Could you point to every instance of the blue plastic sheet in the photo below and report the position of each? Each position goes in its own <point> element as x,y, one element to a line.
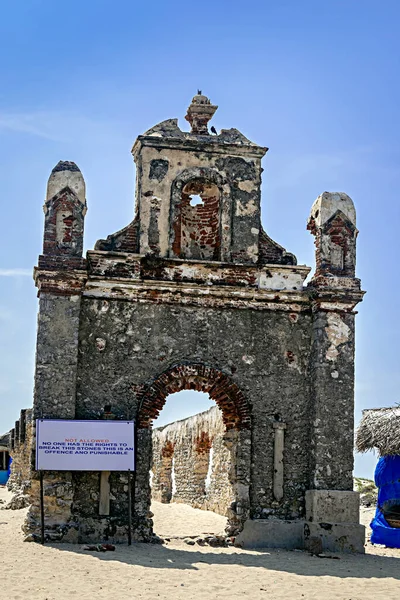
<point>387,479</point>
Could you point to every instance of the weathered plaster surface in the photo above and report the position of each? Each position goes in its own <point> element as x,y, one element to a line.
<point>338,333</point>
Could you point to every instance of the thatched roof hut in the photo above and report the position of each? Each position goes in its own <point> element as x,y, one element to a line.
<point>5,439</point>
<point>379,428</point>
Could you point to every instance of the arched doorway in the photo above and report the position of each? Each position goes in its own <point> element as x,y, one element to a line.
<point>236,418</point>
<point>190,485</point>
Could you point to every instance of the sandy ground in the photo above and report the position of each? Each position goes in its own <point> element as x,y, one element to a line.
<point>178,571</point>
<point>181,520</point>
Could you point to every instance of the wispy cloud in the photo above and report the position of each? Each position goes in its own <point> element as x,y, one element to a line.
<point>52,125</point>
<point>15,272</point>
<point>40,123</point>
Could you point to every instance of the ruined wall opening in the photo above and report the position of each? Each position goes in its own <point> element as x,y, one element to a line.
<point>201,461</point>
<point>197,224</point>
<point>196,200</point>
<point>190,467</point>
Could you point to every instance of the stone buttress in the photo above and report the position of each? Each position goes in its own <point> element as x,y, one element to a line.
<point>194,294</point>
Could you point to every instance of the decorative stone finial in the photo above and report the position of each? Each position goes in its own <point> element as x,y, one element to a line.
<point>333,223</point>
<point>199,113</point>
<point>64,210</point>
<point>66,174</point>
<point>328,203</point>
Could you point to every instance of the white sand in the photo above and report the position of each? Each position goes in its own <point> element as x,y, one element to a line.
<point>177,571</point>
<point>180,520</point>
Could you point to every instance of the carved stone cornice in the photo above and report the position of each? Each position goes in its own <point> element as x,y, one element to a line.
<point>58,282</point>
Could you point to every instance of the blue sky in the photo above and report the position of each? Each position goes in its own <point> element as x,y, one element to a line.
<point>316,82</point>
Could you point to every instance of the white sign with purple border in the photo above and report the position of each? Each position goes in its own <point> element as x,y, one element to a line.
<point>69,445</point>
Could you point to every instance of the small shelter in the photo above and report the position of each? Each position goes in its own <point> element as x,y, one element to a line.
<point>380,429</point>
<point>4,458</point>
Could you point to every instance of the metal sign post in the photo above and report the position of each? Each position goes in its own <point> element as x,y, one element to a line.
<point>41,509</point>
<point>129,509</point>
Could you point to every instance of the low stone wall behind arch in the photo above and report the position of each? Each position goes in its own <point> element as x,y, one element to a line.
<point>191,463</point>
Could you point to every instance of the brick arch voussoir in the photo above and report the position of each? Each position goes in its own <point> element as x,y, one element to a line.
<point>202,378</point>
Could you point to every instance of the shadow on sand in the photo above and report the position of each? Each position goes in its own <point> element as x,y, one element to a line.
<point>301,563</point>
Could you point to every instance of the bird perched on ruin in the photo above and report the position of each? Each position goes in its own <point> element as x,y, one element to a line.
<point>213,130</point>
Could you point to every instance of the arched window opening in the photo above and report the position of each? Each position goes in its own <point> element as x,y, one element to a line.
<point>198,224</point>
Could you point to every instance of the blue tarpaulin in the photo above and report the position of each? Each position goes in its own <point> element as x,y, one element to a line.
<point>387,479</point>
<point>4,475</point>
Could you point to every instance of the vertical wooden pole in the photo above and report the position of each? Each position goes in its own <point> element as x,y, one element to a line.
<point>104,502</point>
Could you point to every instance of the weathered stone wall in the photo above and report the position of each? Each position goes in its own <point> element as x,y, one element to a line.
<point>265,353</point>
<point>192,454</point>
<point>197,297</point>
<point>20,479</point>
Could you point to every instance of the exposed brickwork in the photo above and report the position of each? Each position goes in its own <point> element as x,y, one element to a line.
<point>203,443</point>
<point>197,228</point>
<point>333,225</point>
<point>125,240</point>
<point>64,225</point>
<point>340,261</point>
<point>220,387</point>
<point>167,450</point>
<point>272,253</point>
<point>61,263</point>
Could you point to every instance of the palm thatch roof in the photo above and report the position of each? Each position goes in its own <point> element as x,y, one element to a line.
<point>5,439</point>
<point>379,428</point>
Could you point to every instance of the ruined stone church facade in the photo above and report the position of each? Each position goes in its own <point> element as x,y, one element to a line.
<point>194,294</point>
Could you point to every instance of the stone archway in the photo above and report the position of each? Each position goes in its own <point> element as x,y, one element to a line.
<point>236,416</point>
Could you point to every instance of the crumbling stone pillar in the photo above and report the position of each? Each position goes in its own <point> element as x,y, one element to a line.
<point>162,474</point>
<point>59,279</point>
<point>335,292</point>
